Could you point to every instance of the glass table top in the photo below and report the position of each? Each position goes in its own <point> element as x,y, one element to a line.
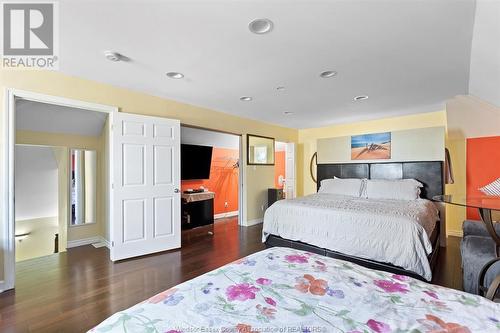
<point>483,202</point>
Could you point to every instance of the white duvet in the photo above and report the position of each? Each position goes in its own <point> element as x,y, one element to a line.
<point>391,231</point>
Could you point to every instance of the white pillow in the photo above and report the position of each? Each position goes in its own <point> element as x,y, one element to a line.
<point>398,189</point>
<point>349,186</point>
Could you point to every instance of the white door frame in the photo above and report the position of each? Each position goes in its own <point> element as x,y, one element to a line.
<point>8,175</point>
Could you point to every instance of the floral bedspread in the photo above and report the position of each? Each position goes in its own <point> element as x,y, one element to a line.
<point>285,290</point>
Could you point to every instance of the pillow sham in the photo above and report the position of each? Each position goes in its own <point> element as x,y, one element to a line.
<point>397,189</point>
<point>349,186</point>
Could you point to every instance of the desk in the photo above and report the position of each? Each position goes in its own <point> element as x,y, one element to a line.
<point>197,209</point>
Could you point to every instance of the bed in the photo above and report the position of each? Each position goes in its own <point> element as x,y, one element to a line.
<point>287,290</point>
<point>396,236</point>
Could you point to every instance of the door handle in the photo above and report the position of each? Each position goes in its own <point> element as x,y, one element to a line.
<point>176,190</point>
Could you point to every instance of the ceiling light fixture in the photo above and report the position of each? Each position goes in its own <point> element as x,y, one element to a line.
<point>288,113</point>
<point>360,98</point>
<point>327,74</point>
<point>280,88</point>
<point>175,75</point>
<point>246,98</point>
<point>113,56</point>
<point>260,26</point>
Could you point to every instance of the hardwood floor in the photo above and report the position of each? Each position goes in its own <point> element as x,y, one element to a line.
<point>75,290</point>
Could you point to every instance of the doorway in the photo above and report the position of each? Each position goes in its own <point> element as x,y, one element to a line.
<point>41,133</point>
<point>217,178</point>
<point>285,168</point>
<point>37,226</point>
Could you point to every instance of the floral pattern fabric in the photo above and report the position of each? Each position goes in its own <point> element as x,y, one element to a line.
<point>286,290</point>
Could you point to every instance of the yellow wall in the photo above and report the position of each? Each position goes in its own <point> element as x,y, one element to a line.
<point>308,137</point>
<point>40,241</point>
<point>72,141</point>
<point>57,84</point>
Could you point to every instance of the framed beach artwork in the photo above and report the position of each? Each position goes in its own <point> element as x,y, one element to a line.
<point>375,146</point>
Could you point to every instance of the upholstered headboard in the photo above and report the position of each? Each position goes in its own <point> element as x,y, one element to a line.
<point>430,174</point>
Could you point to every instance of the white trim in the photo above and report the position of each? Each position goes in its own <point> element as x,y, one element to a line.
<point>8,175</point>
<point>87,241</point>
<point>456,233</point>
<point>242,195</point>
<point>83,241</point>
<point>250,223</point>
<point>226,214</point>
<point>105,241</point>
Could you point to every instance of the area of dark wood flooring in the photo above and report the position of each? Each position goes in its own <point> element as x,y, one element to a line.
<point>75,290</point>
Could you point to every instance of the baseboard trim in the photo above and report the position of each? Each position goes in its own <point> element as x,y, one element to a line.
<point>455,233</point>
<point>226,214</point>
<point>105,241</point>
<point>87,241</point>
<point>250,223</point>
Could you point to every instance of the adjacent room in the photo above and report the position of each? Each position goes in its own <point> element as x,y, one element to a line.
<point>250,166</point>
<point>60,172</point>
<point>210,179</point>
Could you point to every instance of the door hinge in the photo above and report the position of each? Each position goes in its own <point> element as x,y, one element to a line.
<point>112,244</point>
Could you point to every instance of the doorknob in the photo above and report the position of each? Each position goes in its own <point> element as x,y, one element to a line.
<point>176,190</point>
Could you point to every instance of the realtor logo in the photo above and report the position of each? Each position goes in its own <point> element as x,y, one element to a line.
<point>29,35</point>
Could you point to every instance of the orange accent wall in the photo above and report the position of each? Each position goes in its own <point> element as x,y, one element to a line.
<point>279,167</point>
<point>223,180</point>
<point>483,155</point>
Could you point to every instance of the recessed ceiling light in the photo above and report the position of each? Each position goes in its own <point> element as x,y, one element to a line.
<point>113,56</point>
<point>260,26</point>
<point>288,113</point>
<point>246,98</point>
<point>175,75</point>
<point>280,88</point>
<point>360,98</point>
<point>327,74</point>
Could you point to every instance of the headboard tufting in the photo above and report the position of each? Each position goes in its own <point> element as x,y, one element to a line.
<point>430,174</point>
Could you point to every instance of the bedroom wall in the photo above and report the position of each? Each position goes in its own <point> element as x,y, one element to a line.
<point>308,138</point>
<point>482,168</point>
<point>258,179</point>
<point>421,144</point>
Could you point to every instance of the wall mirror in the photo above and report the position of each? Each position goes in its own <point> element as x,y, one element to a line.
<point>260,150</point>
<point>83,186</point>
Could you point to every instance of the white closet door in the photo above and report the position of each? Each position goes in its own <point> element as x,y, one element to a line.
<point>146,182</point>
<point>290,171</point>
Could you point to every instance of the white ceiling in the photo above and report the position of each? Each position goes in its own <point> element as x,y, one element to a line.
<point>42,117</point>
<point>409,56</point>
<point>485,54</point>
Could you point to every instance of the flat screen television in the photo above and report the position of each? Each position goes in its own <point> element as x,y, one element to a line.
<point>195,162</point>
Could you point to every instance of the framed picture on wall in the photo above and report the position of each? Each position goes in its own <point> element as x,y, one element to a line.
<point>375,146</point>
<point>260,150</point>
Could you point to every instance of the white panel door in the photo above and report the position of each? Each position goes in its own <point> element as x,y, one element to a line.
<point>146,182</point>
<point>290,170</point>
